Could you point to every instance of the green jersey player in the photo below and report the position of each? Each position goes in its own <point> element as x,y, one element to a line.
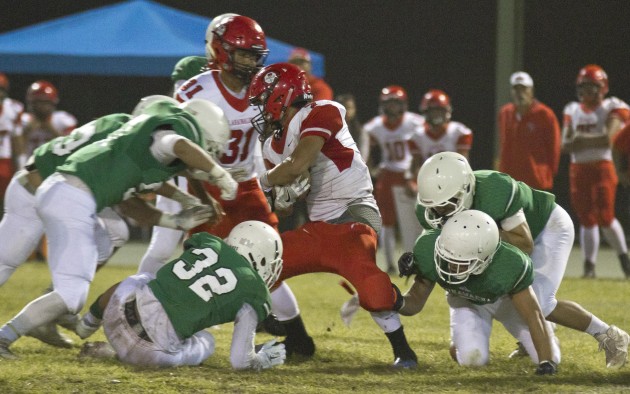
<point>141,155</point>
<point>484,279</point>
<point>218,282</point>
<point>528,219</point>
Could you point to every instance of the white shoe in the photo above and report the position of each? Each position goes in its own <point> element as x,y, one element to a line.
<point>615,343</point>
<point>49,334</point>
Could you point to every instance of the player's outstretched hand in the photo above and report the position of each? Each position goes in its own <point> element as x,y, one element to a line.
<point>270,355</point>
<point>406,266</point>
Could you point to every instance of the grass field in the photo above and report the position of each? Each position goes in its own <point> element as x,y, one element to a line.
<point>347,359</point>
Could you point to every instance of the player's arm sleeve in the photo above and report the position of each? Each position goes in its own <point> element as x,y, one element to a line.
<point>242,351</point>
<point>163,146</point>
<point>515,230</point>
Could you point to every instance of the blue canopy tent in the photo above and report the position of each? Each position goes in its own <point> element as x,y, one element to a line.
<point>134,38</point>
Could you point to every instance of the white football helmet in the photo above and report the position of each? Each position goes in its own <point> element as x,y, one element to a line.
<point>210,36</point>
<point>445,180</point>
<point>213,123</point>
<point>148,100</point>
<point>261,245</point>
<point>466,246</point>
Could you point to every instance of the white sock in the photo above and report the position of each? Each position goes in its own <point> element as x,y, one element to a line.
<point>283,303</point>
<point>597,326</point>
<point>589,240</point>
<point>388,321</point>
<point>615,237</point>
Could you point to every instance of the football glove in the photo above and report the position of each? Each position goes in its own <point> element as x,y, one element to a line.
<point>406,266</point>
<point>286,196</point>
<point>187,218</point>
<point>221,178</point>
<point>186,200</point>
<point>270,355</point>
<point>547,368</point>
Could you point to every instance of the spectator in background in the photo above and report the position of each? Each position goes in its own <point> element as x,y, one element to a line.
<point>394,132</point>
<point>42,122</point>
<point>320,89</point>
<point>10,111</point>
<point>588,128</point>
<point>529,136</point>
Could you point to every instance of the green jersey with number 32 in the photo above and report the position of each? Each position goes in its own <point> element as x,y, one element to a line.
<point>54,152</point>
<point>122,164</point>
<point>207,285</point>
<point>509,272</point>
<point>500,196</point>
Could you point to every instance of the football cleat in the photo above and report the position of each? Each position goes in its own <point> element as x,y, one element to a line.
<point>589,270</point>
<point>5,352</point>
<point>49,334</point>
<point>405,363</point>
<point>520,351</point>
<point>615,343</point>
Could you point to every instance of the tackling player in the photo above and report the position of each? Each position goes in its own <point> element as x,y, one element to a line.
<point>140,156</point>
<point>218,281</point>
<point>485,279</point>
<point>529,219</point>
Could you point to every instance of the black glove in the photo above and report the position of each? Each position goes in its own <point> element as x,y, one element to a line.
<point>547,368</point>
<point>406,266</point>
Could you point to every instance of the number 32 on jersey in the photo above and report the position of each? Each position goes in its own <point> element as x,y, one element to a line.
<point>223,281</point>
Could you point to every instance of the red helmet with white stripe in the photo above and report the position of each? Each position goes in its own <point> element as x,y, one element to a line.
<point>594,74</point>
<point>592,84</point>
<point>235,33</point>
<point>274,89</point>
<point>436,107</point>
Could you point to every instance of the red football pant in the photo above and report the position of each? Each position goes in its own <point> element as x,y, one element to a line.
<point>593,187</point>
<point>348,250</point>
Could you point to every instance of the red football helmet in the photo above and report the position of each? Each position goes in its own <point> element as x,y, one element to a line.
<point>436,99</point>
<point>393,101</point>
<point>594,74</point>
<point>43,91</point>
<point>4,82</point>
<point>238,33</point>
<point>393,92</point>
<point>274,89</point>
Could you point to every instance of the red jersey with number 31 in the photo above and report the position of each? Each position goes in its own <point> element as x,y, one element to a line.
<point>243,148</point>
